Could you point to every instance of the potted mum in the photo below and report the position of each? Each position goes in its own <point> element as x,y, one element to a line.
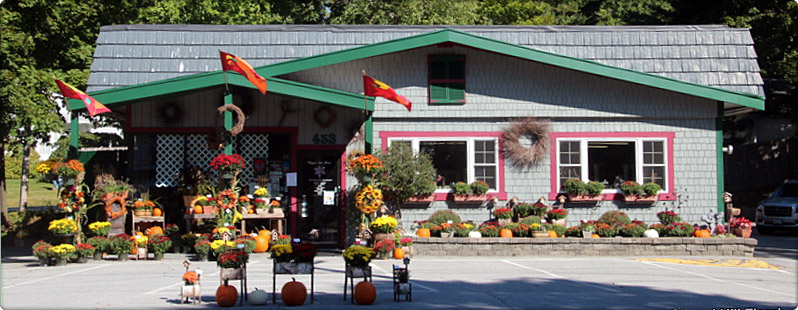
<point>121,244</point>
<point>231,263</point>
<point>68,170</point>
<point>384,248</point>
<point>83,251</point>
<point>101,245</point>
<point>503,215</point>
<point>62,253</point>
<point>41,250</point>
<point>100,228</point>
<point>358,256</point>
<point>557,216</point>
<point>203,248</point>
<point>740,227</point>
<point>383,227</point>
<point>159,244</point>
<point>228,166</point>
<point>364,168</point>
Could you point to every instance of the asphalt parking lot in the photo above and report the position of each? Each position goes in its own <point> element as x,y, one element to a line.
<point>438,282</point>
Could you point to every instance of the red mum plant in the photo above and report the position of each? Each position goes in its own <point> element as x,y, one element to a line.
<point>84,249</point>
<point>667,217</point>
<point>228,163</point>
<point>232,259</point>
<point>503,213</point>
<point>304,252</point>
<point>739,222</point>
<point>557,214</point>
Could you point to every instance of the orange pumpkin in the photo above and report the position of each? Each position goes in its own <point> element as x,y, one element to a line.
<point>294,293</point>
<point>365,293</point>
<point>157,212</point>
<point>155,230</point>
<point>251,211</point>
<point>398,253</point>
<point>552,234</point>
<point>197,209</point>
<point>703,233</point>
<point>595,236</point>
<point>226,295</point>
<point>423,233</point>
<point>506,233</point>
<point>261,244</point>
<point>265,232</point>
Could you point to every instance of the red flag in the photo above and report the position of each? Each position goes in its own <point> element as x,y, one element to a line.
<point>376,88</point>
<point>232,62</point>
<point>93,106</point>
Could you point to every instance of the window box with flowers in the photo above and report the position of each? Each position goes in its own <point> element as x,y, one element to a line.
<point>633,192</point>
<point>580,192</point>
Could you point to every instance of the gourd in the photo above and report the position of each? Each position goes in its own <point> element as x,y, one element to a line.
<point>226,295</point>
<point>423,232</point>
<point>552,234</point>
<point>157,212</point>
<point>506,233</point>
<point>197,209</point>
<point>293,293</point>
<point>365,293</point>
<point>398,253</point>
<point>261,244</point>
<point>258,297</point>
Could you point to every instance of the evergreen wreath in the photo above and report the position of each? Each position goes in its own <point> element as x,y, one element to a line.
<point>532,127</point>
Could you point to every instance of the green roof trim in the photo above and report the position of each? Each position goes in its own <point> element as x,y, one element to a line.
<point>501,47</point>
<point>173,87</point>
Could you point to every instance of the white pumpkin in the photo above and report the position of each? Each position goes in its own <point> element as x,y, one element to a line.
<point>258,297</point>
<point>651,233</point>
<point>474,234</point>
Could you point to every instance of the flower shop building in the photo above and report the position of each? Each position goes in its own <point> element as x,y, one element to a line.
<point>608,104</point>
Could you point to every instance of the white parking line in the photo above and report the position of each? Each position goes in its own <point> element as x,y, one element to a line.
<point>717,280</point>
<point>561,277</point>
<point>56,276</point>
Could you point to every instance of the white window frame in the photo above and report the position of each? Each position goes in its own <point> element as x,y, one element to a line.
<point>470,158</point>
<point>638,142</point>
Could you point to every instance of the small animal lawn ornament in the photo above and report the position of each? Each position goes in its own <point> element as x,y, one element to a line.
<point>190,290</point>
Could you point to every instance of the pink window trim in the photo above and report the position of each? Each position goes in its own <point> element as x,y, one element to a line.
<point>668,136</point>
<point>501,194</point>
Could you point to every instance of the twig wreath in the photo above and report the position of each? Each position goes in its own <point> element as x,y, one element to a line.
<point>535,129</point>
<point>240,117</point>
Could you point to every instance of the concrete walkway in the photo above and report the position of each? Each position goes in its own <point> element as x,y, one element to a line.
<point>438,282</point>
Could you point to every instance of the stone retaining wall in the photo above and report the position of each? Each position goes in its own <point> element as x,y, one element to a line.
<point>584,246</point>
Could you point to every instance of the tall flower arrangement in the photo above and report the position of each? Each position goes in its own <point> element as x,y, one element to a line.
<point>70,168</point>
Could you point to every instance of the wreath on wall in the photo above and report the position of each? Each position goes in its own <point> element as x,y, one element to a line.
<point>240,117</point>
<point>110,198</point>
<point>536,130</point>
<point>170,112</point>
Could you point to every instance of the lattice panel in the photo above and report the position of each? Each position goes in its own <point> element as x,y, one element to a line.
<point>198,154</point>
<point>252,146</point>
<point>169,160</point>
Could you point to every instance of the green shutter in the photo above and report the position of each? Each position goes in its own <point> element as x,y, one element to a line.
<point>447,79</point>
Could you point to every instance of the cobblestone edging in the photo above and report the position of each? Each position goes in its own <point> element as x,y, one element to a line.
<point>584,246</point>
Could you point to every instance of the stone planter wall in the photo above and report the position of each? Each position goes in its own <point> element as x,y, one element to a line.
<point>584,246</point>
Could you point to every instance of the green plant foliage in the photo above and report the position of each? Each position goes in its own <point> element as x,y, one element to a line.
<point>651,188</point>
<point>523,209</point>
<point>461,188</point>
<point>443,216</point>
<point>594,188</point>
<point>574,231</point>
<point>406,174</point>
<point>574,186</point>
<point>529,220</point>
<point>616,219</point>
<point>559,229</point>
<point>632,230</point>
<point>479,187</point>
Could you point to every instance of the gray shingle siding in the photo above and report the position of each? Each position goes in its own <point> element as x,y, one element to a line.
<point>671,51</point>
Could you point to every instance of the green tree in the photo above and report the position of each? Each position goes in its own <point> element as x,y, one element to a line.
<point>406,12</point>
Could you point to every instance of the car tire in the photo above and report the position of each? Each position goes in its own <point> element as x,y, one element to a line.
<point>764,230</point>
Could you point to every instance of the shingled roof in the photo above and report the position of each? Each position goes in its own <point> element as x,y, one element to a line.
<point>716,56</point>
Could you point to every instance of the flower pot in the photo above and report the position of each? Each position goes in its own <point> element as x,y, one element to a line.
<point>209,209</point>
<point>157,256</point>
<point>65,238</point>
<point>742,232</point>
<point>122,257</point>
<point>139,212</point>
<point>560,222</point>
<point>232,273</point>
<point>82,260</point>
<point>203,257</point>
<point>98,255</point>
<point>44,261</point>
<point>540,234</point>
<point>587,234</point>
<point>60,261</point>
<point>69,181</point>
<point>356,272</point>
<point>447,235</point>
<point>503,222</point>
<point>188,199</point>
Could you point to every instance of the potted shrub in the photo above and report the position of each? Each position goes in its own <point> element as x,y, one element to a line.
<point>649,193</point>
<point>461,189</point>
<point>574,187</point>
<point>631,190</point>
<point>523,210</point>
<point>479,188</point>
<point>594,188</point>
<point>193,183</point>
<point>605,230</point>
<point>578,191</point>
<point>407,176</point>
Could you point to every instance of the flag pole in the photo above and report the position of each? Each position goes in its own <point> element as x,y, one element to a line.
<point>365,98</point>
<point>224,74</point>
